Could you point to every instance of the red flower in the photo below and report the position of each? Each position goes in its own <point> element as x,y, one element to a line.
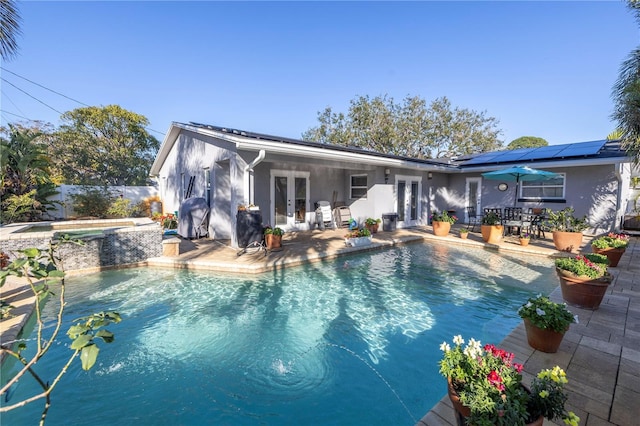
<point>495,379</point>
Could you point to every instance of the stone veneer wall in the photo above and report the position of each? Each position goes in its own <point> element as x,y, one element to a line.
<point>118,247</point>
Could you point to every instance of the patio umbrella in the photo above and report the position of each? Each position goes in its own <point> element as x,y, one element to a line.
<point>518,174</point>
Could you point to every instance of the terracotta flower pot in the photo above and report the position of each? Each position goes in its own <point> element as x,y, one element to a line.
<point>464,235</point>
<point>441,229</point>
<point>524,241</point>
<point>613,254</point>
<point>273,241</point>
<point>455,400</point>
<point>463,412</point>
<point>542,339</point>
<point>583,292</point>
<point>492,234</point>
<point>372,228</point>
<point>567,241</point>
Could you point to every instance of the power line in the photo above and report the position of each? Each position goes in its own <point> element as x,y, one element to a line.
<point>32,97</point>
<point>44,87</point>
<point>4,111</point>
<point>57,93</point>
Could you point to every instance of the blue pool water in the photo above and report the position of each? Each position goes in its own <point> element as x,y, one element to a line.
<point>353,341</point>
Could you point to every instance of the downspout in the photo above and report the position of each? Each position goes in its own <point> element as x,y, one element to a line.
<point>248,177</point>
<point>622,195</point>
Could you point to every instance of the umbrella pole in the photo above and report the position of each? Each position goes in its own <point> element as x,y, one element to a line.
<point>515,196</point>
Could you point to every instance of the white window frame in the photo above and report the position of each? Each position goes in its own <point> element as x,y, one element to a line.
<point>542,184</point>
<point>358,187</point>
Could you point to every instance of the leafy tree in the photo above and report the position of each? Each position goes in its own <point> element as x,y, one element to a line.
<point>104,146</point>
<point>408,129</point>
<point>26,181</point>
<point>626,94</point>
<point>9,28</point>
<point>39,268</point>
<point>527,142</point>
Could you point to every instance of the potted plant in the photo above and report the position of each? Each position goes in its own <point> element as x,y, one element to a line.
<point>464,233</point>
<point>612,245</point>
<point>358,237</point>
<point>441,223</point>
<point>372,224</point>
<point>485,387</point>
<point>491,228</point>
<point>583,279</point>
<point>169,223</point>
<point>545,323</point>
<point>567,229</point>
<point>524,238</point>
<point>273,237</point>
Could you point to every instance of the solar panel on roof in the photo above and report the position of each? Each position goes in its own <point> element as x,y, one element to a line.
<point>510,156</point>
<point>540,153</point>
<point>580,149</point>
<point>543,152</point>
<point>482,158</point>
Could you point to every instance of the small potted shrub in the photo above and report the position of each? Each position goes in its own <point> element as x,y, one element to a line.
<point>358,237</point>
<point>372,224</point>
<point>441,223</point>
<point>545,323</point>
<point>567,228</point>
<point>485,387</point>
<point>524,238</point>
<point>169,221</point>
<point>583,279</point>
<point>273,237</point>
<point>464,233</point>
<point>612,245</point>
<point>491,228</point>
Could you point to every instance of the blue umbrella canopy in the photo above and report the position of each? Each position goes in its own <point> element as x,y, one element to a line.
<point>519,173</point>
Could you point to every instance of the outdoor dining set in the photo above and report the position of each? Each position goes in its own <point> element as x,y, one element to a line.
<point>515,220</point>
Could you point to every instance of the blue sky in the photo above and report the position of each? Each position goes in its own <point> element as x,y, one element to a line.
<point>541,68</point>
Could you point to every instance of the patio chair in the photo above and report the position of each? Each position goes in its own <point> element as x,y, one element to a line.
<point>537,223</point>
<point>473,218</point>
<point>324,218</point>
<point>512,218</point>
<point>342,216</point>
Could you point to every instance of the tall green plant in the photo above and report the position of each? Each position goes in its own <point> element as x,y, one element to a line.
<point>40,269</point>
<point>565,220</point>
<point>26,180</point>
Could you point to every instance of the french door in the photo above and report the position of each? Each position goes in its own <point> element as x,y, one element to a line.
<point>408,190</point>
<point>289,199</point>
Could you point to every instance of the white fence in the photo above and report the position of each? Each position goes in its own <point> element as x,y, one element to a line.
<point>65,210</point>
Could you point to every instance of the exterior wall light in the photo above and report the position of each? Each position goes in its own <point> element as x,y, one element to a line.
<point>387,172</point>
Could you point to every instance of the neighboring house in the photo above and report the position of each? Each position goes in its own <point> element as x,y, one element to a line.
<point>286,177</point>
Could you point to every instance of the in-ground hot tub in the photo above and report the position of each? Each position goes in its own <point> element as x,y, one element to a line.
<point>109,242</point>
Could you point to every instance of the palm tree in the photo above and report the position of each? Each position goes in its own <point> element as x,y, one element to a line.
<point>9,28</point>
<point>626,94</point>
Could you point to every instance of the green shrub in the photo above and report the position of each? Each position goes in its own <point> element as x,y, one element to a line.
<point>92,201</point>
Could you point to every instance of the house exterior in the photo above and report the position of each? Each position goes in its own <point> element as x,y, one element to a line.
<point>285,177</point>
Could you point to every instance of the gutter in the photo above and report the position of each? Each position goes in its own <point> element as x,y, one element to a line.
<point>256,161</point>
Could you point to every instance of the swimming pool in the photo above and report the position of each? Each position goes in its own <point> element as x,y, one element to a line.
<point>353,341</point>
